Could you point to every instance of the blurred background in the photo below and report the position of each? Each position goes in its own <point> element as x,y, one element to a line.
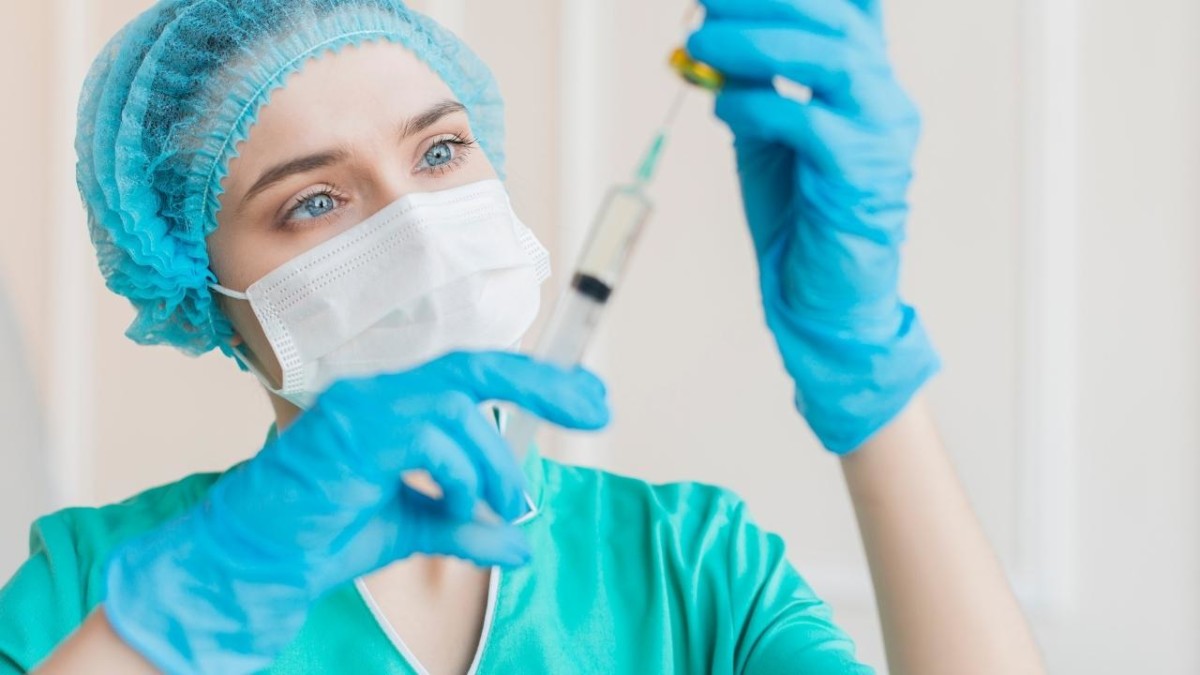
<point>1054,244</point>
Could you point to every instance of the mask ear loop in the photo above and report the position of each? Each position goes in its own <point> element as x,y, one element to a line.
<point>228,292</point>
<point>241,353</point>
<point>302,402</point>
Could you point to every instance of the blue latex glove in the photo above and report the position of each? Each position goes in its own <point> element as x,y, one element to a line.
<point>824,184</point>
<point>226,587</point>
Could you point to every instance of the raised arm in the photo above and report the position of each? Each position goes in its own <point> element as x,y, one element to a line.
<point>825,184</point>
<point>944,601</point>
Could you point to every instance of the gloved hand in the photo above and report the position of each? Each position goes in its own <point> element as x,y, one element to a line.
<point>226,587</point>
<point>824,184</point>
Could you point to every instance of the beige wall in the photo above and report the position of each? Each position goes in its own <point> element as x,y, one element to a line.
<point>696,383</point>
<point>26,177</point>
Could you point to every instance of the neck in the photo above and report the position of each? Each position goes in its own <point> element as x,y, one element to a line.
<point>285,413</point>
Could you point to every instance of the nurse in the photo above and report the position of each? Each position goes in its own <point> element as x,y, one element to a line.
<point>313,187</point>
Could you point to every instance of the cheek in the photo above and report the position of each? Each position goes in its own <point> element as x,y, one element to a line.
<point>240,256</point>
<point>244,322</point>
<point>482,169</point>
<point>225,248</point>
<point>246,326</point>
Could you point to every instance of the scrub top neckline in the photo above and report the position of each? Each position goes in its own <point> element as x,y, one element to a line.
<point>407,654</point>
<point>535,483</point>
<point>393,635</point>
<point>535,500</point>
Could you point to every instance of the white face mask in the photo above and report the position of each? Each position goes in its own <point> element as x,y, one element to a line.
<point>429,274</point>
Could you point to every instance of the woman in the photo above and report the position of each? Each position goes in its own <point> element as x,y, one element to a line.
<point>311,186</point>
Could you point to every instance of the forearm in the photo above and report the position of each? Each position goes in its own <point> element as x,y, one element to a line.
<point>95,648</point>
<point>944,601</point>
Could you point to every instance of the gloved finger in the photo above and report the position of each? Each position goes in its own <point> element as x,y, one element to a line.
<point>299,473</point>
<point>414,523</point>
<point>762,114</point>
<point>826,138</point>
<point>502,481</point>
<point>350,440</point>
<point>459,478</point>
<point>823,139</point>
<point>767,170</point>
<point>842,74</point>
<point>387,534</point>
<point>572,398</point>
<point>381,427</point>
<point>839,18</point>
<point>484,544</point>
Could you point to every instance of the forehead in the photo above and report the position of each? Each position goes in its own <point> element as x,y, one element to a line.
<point>339,97</point>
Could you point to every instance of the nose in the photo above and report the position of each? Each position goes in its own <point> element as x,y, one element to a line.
<point>389,182</point>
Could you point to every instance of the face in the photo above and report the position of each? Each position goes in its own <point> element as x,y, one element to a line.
<point>348,135</point>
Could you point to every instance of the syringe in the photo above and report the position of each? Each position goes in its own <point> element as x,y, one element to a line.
<point>600,270</point>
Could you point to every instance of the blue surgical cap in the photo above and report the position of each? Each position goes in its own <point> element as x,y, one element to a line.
<point>166,105</point>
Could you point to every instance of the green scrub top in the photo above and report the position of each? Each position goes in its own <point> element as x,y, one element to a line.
<point>627,577</point>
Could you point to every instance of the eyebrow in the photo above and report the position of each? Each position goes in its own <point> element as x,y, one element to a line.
<point>292,167</point>
<point>430,117</point>
<point>327,158</point>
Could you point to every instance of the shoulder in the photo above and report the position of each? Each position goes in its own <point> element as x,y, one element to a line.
<point>568,477</point>
<point>91,532</point>
<point>689,509</point>
<point>60,583</point>
<point>739,593</point>
<point>136,513</point>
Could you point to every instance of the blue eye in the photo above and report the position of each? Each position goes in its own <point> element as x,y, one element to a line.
<point>446,154</point>
<point>439,155</point>
<point>314,206</point>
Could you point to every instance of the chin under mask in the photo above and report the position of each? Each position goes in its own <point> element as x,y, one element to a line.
<point>430,274</point>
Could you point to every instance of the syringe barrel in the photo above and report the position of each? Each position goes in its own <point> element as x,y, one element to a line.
<point>614,234</point>
<point>601,266</point>
<point>563,342</point>
<point>570,327</point>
